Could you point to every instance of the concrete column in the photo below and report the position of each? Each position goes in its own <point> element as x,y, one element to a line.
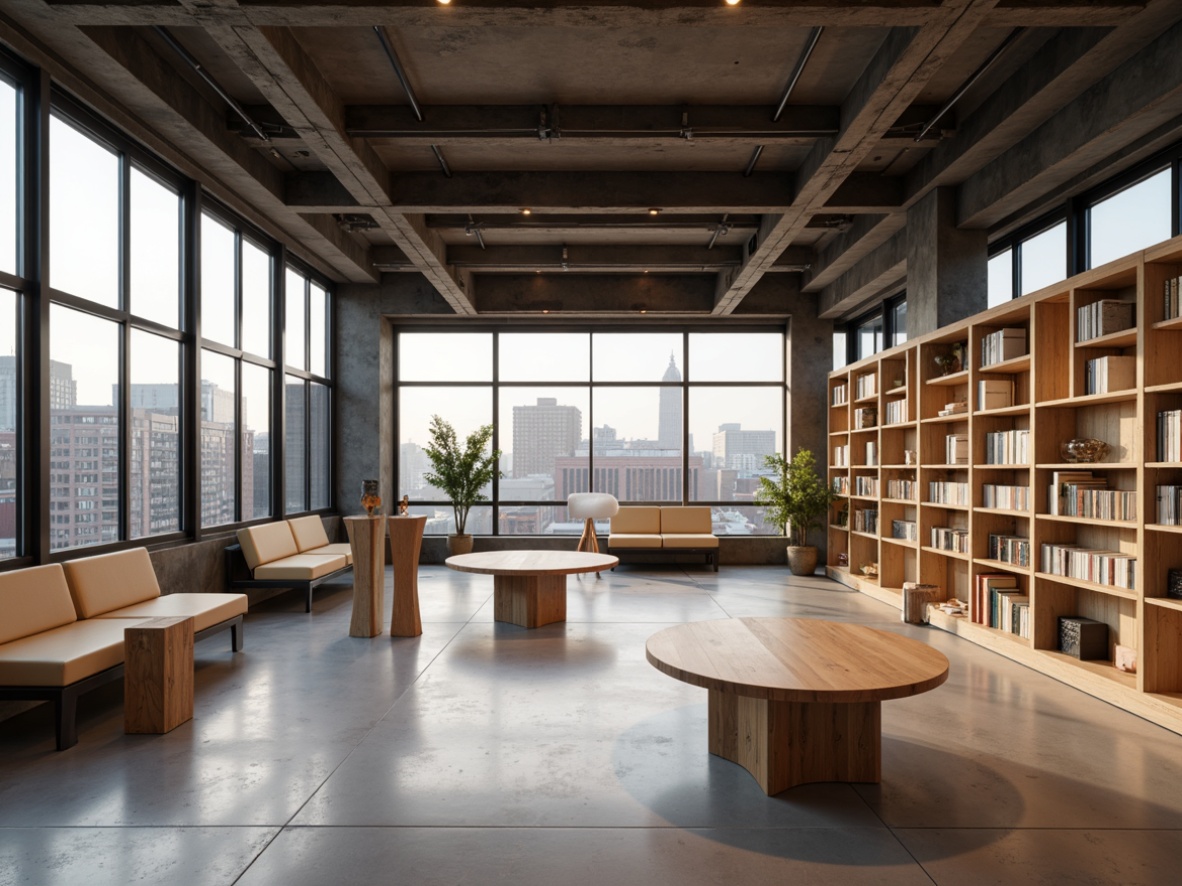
<point>810,358</point>
<point>947,276</point>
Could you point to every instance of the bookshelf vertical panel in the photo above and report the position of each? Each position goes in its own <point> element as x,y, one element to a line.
<point>1161,656</point>
<point>1052,349</point>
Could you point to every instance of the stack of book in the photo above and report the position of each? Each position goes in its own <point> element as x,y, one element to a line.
<point>1173,302</point>
<point>1103,317</point>
<point>865,417</point>
<point>999,603</point>
<point>866,385</point>
<point>1099,567</point>
<point>1009,549</point>
<point>1169,505</point>
<point>995,393</point>
<point>1008,447</point>
<point>1169,435</point>
<point>1079,494</point>
<point>956,449</point>
<point>841,394</point>
<point>866,486</point>
<point>1105,374</point>
<point>871,453</point>
<point>1009,498</point>
<point>896,412</point>
<point>841,456</point>
<point>957,408</point>
<point>1002,345</point>
<point>841,485</point>
<point>949,538</point>
<point>904,529</point>
<point>942,492</point>
<point>866,520</point>
<point>901,489</point>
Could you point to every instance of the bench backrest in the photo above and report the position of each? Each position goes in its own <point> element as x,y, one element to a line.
<point>111,581</point>
<point>637,521</point>
<point>695,519</point>
<point>308,532</point>
<point>265,543</point>
<point>34,600</point>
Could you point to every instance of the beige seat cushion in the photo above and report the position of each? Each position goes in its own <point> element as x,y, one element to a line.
<point>206,610</point>
<point>337,549</point>
<point>308,533</point>
<point>300,567</point>
<point>633,540</point>
<point>64,655</point>
<point>686,519</point>
<point>34,600</point>
<point>690,540</point>
<point>111,581</point>
<point>262,544</point>
<point>637,520</point>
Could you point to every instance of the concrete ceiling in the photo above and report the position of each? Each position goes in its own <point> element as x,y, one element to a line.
<point>591,114</point>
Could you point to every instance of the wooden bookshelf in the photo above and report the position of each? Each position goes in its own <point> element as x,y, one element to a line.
<point>1053,373</point>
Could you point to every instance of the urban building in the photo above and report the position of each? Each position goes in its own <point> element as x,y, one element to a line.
<point>543,432</point>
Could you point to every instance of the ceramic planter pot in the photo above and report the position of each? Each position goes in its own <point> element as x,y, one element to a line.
<point>459,544</point>
<point>802,559</point>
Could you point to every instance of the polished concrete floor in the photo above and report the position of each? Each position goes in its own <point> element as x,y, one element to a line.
<point>484,753</point>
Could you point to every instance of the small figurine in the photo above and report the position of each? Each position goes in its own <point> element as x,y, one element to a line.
<point>404,506</point>
<point>370,500</point>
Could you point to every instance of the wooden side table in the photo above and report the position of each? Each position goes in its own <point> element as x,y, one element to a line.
<point>406,541</point>
<point>158,674</point>
<point>366,537</point>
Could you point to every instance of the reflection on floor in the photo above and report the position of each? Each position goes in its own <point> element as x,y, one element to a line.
<point>485,753</point>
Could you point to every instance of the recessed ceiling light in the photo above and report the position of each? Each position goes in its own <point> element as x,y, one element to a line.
<point>654,212</point>
<point>525,211</point>
<point>446,2</point>
<point>732,2</point>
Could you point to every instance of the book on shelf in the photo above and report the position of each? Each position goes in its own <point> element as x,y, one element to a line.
<point>895,412</point>
<point>865,417</point>
<point>956,449</point>
<point>841,394</point>
<point>1002,345</point>
<point>1169,505</point>
<point>866,385</point>
<point>1103,317</point>
<point>984,587</point>
<point>904,529</point>
<point>944,492</point>
<point>1174,584</point>
<point>995,393</point>
<point>1013,549</point>
<point>866,486</point>
<point>1009,498</point>
<point>841,485</point>
<point>1169,435</point>
<point>1007,447</point>
<point>950,538</point>
<point>1105,374</point>
<point>1113,568</point>
<point>1059,490</point>
<point>901,489</point>
<point>1173,301</point>
<point>871,453</point>
<point>956,408</point>
<point>866,520</point>
<point>841,456</point>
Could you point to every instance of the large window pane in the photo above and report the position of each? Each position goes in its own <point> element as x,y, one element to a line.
<point>219,440</point>
<point>445,356</point>
<point>154,477</point>
<point>1044,258</point>
<point>869,337</point>
<point>256,300</point>
<point>545,356</point>
<point>1130,220</point>
<point>732,430</point>
<point>318,456</point>
<point>296,337</point>
<point>543,438</point>
<point>1001,278</point>
<point>218,272</point>
<point>318,329</point>
<point>898,323</point>
<point>256,441</point>
<point>9,412</point>
<point>9,134</point>
<point>84,429</point>
<point>466,409</point>
<point>155,250</point>
<point>639,356</point>
<point>735,356</point>
<point>296,445</point>
<point>83,215</point>
<point>637,443</point>
<point>839,349</point>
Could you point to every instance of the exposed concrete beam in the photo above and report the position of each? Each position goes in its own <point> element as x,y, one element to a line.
<point>578,257</point>
<point>318,192</point>
<point>850,246</point>
<point>567,192</point>
<point>891,82</point>
<point>540,222</point>
<point>1141,95</point>
<point>286,77</point>
<point>866,193</point>
<point>881,270</point>
<point>596,294</point>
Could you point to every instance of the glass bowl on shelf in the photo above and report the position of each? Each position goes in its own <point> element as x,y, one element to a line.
<point>1084,450</point>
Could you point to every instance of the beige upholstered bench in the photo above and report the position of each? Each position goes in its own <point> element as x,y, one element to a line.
<point>671,530</point>
<point>310,538</point>
<point>267,556</point>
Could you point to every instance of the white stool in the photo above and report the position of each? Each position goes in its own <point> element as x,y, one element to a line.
<point>588,506</point>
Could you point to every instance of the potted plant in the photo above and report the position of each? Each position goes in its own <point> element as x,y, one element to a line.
<point>796,499</point>
<point>461,473</point>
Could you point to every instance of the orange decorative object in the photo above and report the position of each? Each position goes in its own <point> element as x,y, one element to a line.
<point>370,500</point>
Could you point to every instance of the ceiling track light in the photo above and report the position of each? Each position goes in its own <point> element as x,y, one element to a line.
<point>973,78</point>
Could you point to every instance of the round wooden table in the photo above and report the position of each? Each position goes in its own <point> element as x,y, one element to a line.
<point>795,700</point>
<point>529,587</point>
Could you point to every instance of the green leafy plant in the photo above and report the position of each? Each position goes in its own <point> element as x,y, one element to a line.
<point>795,497</point>
<point>461,472</point>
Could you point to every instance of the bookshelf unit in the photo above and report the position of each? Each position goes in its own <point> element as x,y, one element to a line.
<point>970,456</point>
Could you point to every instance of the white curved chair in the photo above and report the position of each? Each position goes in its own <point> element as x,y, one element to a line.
<point>589,506</point>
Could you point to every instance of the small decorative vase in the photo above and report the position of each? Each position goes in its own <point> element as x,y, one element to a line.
<point>370,500</point>
<point>1084,450</point>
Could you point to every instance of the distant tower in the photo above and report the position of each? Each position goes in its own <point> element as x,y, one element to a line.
<point>669,432</point>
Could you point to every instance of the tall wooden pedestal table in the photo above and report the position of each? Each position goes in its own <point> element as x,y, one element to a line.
<point>797,700</point>
<point>158,674</point>
<point>367,539</point>
<point>406,541</point>
<point>529,587</point>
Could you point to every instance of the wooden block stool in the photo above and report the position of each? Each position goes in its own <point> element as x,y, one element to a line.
<point>588,506</point>
<point>158,675</point>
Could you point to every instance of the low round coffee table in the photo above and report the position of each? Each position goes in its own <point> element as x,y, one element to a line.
<point>529,587</point>
<point>797,700</point>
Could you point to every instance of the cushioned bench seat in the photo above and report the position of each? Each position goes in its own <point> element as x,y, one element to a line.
<point>671,529</point>
<point>268,555</point>
<point>310,538</point>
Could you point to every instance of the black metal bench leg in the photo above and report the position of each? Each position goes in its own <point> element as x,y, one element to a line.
<point>236,635</point>
<point>308,604</point>
<point>65,712</point>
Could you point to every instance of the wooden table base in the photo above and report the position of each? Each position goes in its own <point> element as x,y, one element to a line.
<point>367,538</point>
<point>406,541</point>
<point>529,601</point>
<point>158,675</point>
<point>784,744</point>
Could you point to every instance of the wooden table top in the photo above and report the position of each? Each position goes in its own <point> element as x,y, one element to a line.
<point>797,660</point>
<point>531,562</point>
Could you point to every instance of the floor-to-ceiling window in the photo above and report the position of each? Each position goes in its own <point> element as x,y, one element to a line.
<point>307,393</point>
<point>670,416</point>
<point>11,284</point>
